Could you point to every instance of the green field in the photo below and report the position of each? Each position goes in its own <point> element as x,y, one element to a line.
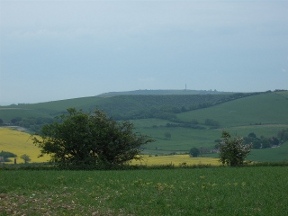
<point>265,114</point>
<point>266,109</point>
<point>272,155</point>
<point>206,191</point>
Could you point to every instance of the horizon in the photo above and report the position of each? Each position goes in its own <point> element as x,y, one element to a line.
<point>123,92</point>
<point>56,50</point>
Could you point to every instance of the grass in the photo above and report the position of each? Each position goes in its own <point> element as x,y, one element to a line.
<point>264,114</point>
<point>126,104</point>
<point>209,191</point>
<point>7,114</point>
<point>271,155</point>
<point>182,139</point>
<point>269,108</point>
<point>47,109</point>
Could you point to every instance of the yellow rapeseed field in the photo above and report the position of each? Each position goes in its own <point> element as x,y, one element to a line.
<point>176,160</point>
<point>20,143</point>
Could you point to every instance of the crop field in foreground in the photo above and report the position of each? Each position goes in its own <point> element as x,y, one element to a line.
<point>181,191</point>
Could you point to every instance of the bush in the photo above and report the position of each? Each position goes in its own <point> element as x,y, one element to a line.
<point>6,155</point>
<point>232,150</point>
<point>90,140</point>
<point>194,152</point>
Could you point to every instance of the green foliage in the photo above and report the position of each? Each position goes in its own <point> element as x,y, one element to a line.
<point>194,152</point>
<point>81,140</point>
<point>26,158</point>
<point>6,155</point>
<point>283,135</point>
<point>261,142</point>
<point>232,150</point>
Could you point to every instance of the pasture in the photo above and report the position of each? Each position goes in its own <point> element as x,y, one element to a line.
<point>205,191</point>
<point>264,109</point>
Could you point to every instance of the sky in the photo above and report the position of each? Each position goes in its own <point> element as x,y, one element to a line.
<point>54,50</point>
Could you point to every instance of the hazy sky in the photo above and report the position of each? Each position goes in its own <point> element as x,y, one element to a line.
<point>52,50</point>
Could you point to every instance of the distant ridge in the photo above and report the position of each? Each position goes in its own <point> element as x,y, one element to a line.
<point>164,92</point>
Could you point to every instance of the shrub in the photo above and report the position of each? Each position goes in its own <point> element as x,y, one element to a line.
<point>90,140</point>
<point>232,150</point>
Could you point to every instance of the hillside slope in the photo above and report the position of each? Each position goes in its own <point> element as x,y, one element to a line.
<point>268,108</point>
<point>120,106</point>
<point>264,114</point>
<point>20,143</point>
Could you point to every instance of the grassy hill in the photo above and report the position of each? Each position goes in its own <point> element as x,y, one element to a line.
<point>267,108</point>
<point>264,114</point>
<point>123,106</point>
<point>184,117</point>
<point>164,92</point>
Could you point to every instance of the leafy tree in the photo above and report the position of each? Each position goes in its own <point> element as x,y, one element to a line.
<point>274,141</point>
<point>6,155</point>
<point>26,158</point>
<point>1,122</point>
<point>283,135</point>
<point>232,150</point>
<point>194,152</point>
<point>80,139</point>
<point>16,120</point>
<point>252,135</point>
<point>256,143</point>
<point>265,142</point>
<point>252,139</point>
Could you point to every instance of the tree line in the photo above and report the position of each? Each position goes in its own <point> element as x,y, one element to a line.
<point>262,142</point>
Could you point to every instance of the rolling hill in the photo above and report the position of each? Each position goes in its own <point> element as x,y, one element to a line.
<point>191,120</point>
<point>267,108</point>
<point>125,105</point>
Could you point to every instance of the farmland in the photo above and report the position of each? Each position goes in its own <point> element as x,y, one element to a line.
<point>206,191</point>
<point>181,114</point>
<point>172,187</point>
<point>176,160</point>
<point>19,143</point>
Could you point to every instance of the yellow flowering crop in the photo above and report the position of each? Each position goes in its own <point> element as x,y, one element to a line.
<point>20,143</point>
<point>176,160</point>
